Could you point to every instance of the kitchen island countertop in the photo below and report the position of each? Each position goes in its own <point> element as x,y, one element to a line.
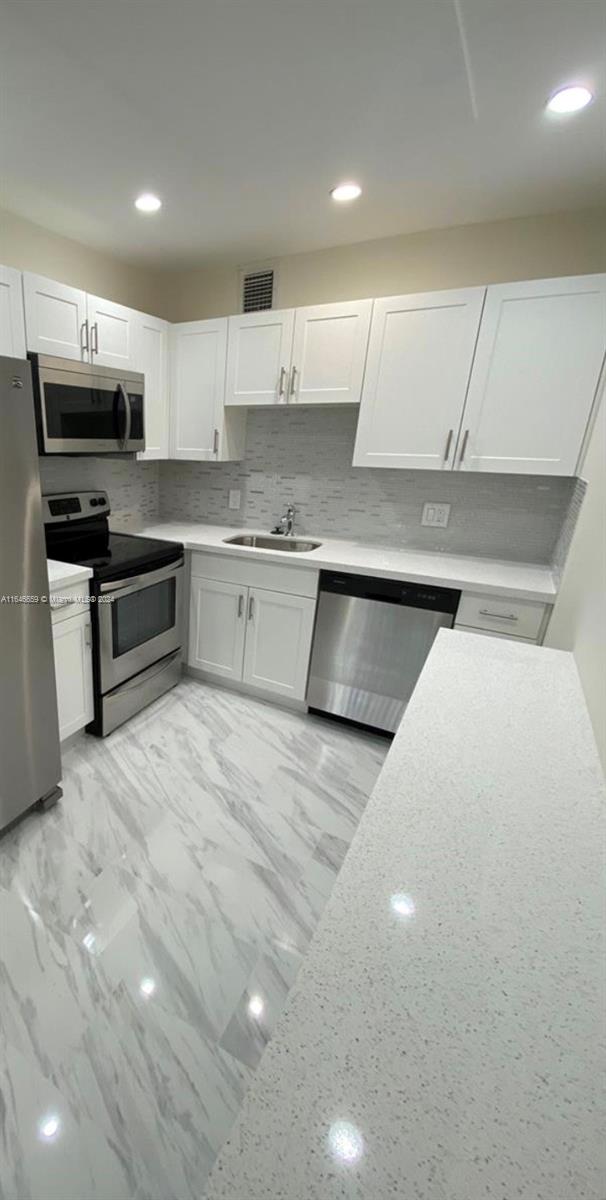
<point>442,1040</point>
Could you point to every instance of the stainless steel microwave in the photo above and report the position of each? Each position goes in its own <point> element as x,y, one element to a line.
<point>85,409</point>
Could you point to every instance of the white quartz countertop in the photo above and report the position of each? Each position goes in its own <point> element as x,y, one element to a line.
<point>63,574</point>
<point>443,1035</point>
<point>519,580</point>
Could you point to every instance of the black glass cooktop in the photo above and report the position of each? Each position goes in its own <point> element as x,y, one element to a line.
<point>112,555</point>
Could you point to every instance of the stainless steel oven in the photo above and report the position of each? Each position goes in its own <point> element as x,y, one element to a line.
<point>85,409</point>
<point>139,621</point>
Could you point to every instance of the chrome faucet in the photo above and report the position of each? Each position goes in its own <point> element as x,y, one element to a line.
<point>286,524</point>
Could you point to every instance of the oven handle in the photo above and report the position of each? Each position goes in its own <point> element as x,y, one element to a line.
<point>128,415</point>
<point>135,581</point>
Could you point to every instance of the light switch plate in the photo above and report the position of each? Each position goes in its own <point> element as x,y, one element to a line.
<point>436,514</point>
<point>234,498</point>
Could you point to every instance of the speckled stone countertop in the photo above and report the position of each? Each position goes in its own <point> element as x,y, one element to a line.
<point>442,1041</point>
<point>519,580</point>
<point>62,574</point>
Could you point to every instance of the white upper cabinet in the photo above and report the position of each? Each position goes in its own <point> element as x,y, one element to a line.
<point>417,372</point>
<point>12,325</point>
<point>55,318</point>
<point>329,353</point>
<point>258,359</point>
<point>151,358</point>
<point>536,371</point>
<point>112,334</point>
<point>200,427</point>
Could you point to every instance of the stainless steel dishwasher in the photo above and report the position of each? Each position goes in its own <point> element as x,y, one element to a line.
<point>371,639</point>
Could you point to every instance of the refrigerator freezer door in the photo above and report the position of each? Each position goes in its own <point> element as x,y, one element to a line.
<point>30,760</point>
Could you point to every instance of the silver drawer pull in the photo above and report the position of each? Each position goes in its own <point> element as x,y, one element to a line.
<point>250,608</point>
<point>448,445</point>
<point>464,446</point>
<point>485,612</point>
<point>281,383</point>
<point>60,604</point>
<point>240,605</point>
<point>293,382</point>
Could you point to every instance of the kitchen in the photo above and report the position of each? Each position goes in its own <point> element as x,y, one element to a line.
<point>280,489</point>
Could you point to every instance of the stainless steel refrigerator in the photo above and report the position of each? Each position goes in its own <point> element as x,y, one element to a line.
<point>30,759</point>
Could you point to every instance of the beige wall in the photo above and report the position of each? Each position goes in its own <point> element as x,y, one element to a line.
<point>527,248</point>
<point>29,247</point>
<point>579,618</point>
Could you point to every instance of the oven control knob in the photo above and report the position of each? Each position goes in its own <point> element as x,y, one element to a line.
<point>94,501</point>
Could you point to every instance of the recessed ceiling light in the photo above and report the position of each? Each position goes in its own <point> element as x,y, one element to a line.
<point>569,99</point>
<point>346,191</point>
<point>148,203</point>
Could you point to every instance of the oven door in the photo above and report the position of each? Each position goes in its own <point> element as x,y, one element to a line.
<point>89,411</point>
<point>139,621</point>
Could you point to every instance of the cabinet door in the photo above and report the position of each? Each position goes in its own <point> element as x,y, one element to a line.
<point>535,376</point>
<point>329,353</point>
<point>151,357</point>
<point>197,353</point>
<point>258,357</point>
<point>419,361</point>
<point>113,330</point>
<point>279,629</point>
<point>217,626</point>
<point>12,324</point>
<point>73,673</point>
<point>55,318</point>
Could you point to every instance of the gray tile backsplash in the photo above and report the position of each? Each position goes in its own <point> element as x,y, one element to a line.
<point>304,456</point>
<point>132,486</point>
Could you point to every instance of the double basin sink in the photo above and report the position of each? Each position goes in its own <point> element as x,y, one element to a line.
<point>278,541</point>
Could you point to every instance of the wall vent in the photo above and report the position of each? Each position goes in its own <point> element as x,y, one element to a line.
<point>257,290</point>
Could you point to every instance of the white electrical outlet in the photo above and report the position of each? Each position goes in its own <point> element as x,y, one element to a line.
<point>435,514</point>
<point>234,498</point>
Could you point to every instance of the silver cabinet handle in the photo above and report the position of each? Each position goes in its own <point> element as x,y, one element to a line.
<point>240,605</point>
<point>95,338</point>
<point>281,383</point>
<point>464,446</point>
<point>128,411</point>
<point>62,604</point>
<point>84,337</point>
<point>250,607</point>
<point>293,383</point>
<point>448,445</point>
<point>216,442</point>
<point>485,612</point>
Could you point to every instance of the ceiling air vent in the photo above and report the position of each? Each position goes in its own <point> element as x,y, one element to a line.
<point>257,290</point>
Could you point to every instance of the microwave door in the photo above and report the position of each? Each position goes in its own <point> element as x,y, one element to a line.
<point>84,413</point>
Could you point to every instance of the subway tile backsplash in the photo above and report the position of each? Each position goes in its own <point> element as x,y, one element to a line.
<point>304,456</point>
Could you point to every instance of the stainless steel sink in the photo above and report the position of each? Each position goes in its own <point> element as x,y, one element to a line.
<point>272,542</point>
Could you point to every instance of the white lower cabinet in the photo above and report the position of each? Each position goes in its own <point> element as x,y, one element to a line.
<point>73,672</point>
<point>279,629</point>
<point>217,627</point>
<point>501,616</point>
<point>250,634</point>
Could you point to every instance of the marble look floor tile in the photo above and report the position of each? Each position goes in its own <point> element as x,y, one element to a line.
<point>158,1091</point>
<point>192,851</point>
<point>47,869</point>
<point>260,1005</point>
<point>49,1153</point>
<point>49,989</point>
<point>164,951</point>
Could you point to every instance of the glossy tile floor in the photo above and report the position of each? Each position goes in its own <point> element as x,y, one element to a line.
<point>150,929</point>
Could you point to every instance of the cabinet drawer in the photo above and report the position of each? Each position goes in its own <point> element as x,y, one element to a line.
<point>275,577</point>
<point>69,601</point>
<point>499,614</point>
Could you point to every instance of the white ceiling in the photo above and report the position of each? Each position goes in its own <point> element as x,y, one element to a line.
<point>241,114</point>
